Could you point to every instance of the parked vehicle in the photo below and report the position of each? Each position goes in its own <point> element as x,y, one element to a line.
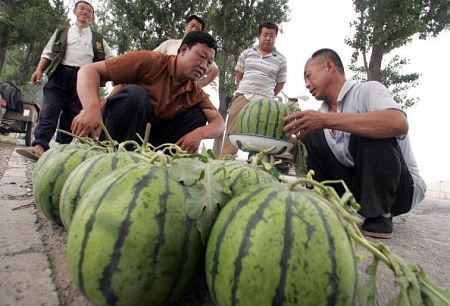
<point>18,118</point>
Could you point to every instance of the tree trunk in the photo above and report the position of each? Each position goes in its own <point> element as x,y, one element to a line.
<point>375,62</point>
<point>5,8</point>
<point>223,107</point>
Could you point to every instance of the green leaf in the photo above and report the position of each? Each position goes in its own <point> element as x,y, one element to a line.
<point>206,192</point>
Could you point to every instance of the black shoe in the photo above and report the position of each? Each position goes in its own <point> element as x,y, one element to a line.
<point>379,227</point>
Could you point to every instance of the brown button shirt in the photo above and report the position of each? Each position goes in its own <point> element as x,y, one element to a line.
<point>155,72</point>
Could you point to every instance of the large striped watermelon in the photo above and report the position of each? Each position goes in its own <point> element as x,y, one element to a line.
<point>131,242</point>
<point>87,174</point>
<point>48,181</point>
<point>273,246</point>
<point>263,117</point>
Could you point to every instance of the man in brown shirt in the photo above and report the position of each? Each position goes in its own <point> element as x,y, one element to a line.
<point>160,89</point>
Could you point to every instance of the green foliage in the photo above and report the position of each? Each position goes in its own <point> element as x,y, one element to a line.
<point>29,25</point>
<point>384,25</point>
<point>137,24</point>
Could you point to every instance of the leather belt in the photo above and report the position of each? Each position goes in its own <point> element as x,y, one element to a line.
<point>70,67</point>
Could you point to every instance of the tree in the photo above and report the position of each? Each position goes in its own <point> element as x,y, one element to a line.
<point>384,25</point>
<point>138,24</point>
<point>25,28</point>
<point>235,24</point>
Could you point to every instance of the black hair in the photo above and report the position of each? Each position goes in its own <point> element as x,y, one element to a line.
<point>199,37</point>
<point>200,20</point>
<point>268,25</point>
<point>332,56</point>
<point>86,3</point>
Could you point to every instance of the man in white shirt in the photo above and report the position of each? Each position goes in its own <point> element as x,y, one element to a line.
<point>359,135</point>
<point>171,46</point>
<point>67,50</point>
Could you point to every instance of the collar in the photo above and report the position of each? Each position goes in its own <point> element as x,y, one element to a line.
<point>344,90</point>
<point>273,53</point>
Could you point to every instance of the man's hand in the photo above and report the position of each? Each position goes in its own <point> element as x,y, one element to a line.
<point>191,141</point>
<point>36,77</point>
<point>302,123</point>
<point>87,121</point>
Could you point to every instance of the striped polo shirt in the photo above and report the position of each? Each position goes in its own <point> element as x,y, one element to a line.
<point>261,73</point>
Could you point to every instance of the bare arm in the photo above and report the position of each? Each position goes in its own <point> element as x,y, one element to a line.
<point>278,88</point>
<point>238,77</point>
<point>191,141</point>
<point>89,77</point>
<point>37,74</point>
<point>209,77</point>
<point>376,124</point>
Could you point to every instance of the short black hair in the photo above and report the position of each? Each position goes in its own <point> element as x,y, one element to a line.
<point>269,25</point>
<point>330,55</point>
<point>199,37</point>
<point>86,3</point>
<point>200,20</point>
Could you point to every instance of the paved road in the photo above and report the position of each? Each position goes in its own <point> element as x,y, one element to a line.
<point>27,272</point>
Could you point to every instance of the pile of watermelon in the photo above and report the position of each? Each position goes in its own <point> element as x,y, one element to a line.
<point>143,225</point>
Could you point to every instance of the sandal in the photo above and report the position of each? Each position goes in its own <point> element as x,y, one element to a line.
<point>28,153</point>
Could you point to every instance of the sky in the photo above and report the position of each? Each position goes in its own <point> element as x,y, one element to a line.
<point>326,23</point>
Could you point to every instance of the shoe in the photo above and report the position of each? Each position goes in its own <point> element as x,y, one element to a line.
<point>29,153</point>
<point>379,227</point>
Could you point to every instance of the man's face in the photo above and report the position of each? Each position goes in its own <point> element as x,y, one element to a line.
<point>84,13</point>
<point>267,39</point>
<point>195,62</point>
<point>316,78</point>
<point>192,25</point>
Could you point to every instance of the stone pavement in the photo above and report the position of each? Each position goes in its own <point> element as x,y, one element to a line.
<point>26,276</point>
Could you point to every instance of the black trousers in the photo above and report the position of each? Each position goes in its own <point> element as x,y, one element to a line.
<point>380,179</point>
<point>61,104</point>
<point>129,110</point>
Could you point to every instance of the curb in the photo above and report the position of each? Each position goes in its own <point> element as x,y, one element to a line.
<point>25,272</point>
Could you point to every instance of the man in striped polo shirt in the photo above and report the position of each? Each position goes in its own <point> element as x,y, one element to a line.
<point>260,73</point>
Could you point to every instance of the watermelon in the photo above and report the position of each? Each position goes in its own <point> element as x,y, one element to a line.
<point>87,174</point>
<point>239,176</point>
<point>263,117</point>
<point>274,246</point>
<point>131,242</point>
<point>48,155</point>
<point>48,181</point>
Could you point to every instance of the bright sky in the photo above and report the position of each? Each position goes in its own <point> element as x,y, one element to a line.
<point>325,23</point>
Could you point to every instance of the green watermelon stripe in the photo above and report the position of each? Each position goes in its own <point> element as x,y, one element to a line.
<point>245,118</point>
<point>333,277</point>
<point>88,229</point>
<point>246,243</point>
<point>124,229</point>
<point>268,114</point>
<point>220,237</point>
<point>285,253</point>
<point>259,111</point>
<point>189,226</point>
<point>237,178</point>
<point>54,207</point>
<point>78,191</point>
<point>276,127</point>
